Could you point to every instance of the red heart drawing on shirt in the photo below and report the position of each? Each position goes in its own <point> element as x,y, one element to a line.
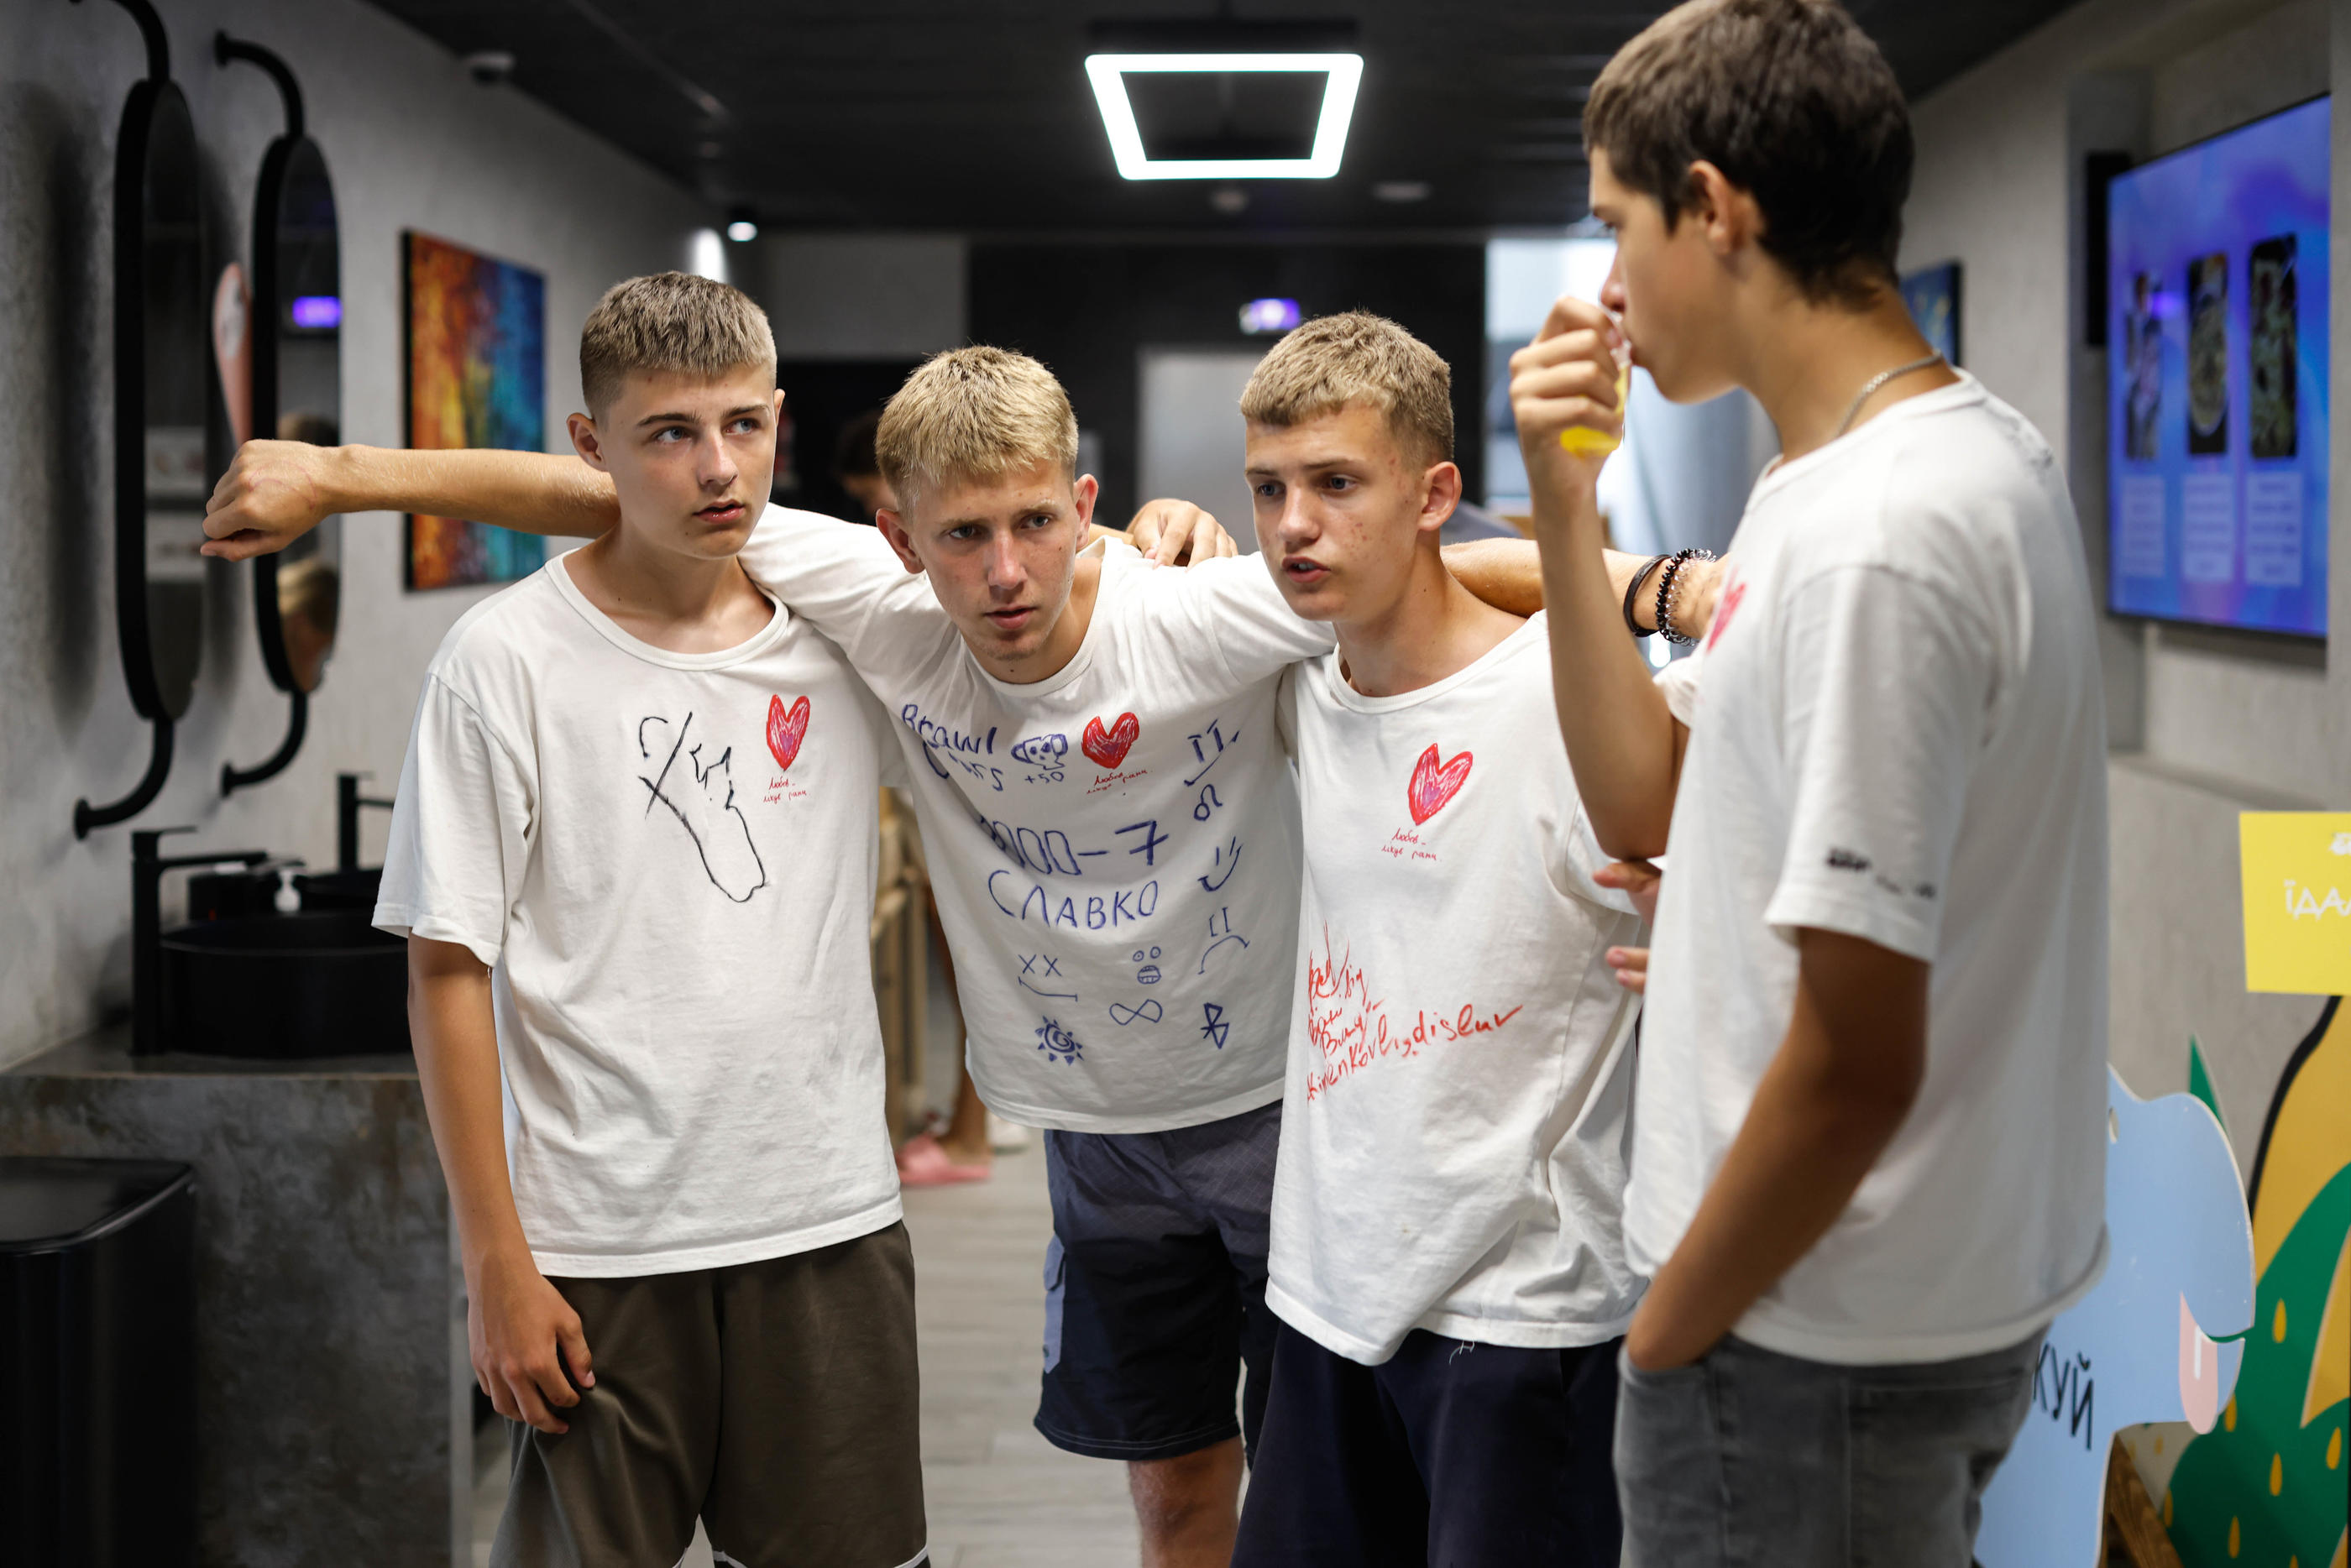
<point>1433,785</point>
<point>1109,747</point>
<point>1724,611</point>
<point>786,731</point>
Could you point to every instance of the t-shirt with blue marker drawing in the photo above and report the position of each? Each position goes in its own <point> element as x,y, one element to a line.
<point>1114,849</point>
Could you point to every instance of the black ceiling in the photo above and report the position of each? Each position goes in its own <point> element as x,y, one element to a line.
<point>975,115</point>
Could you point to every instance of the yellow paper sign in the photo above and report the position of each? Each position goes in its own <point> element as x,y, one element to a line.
<point>2297,873</point>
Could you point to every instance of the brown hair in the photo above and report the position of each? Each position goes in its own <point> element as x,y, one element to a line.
<point>1791,101</point>
<point>1357,357</point>
<point>974,414</point>
<point>673,322</point>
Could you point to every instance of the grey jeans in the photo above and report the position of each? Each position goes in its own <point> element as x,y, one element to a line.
<point>1747,1459</point>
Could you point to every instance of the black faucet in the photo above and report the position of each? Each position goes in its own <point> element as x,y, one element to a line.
<point>348,801</point>
<point>148,864</point>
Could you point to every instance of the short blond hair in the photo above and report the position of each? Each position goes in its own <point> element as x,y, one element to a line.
<point>1355,356</point>
<point>670,322</point>
<point>974,414</point>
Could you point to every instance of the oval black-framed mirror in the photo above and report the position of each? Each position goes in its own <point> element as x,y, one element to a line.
<point>296,395</point>
<point>163,402</point>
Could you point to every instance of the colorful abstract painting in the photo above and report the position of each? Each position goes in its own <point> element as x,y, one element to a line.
<point>476,377</point>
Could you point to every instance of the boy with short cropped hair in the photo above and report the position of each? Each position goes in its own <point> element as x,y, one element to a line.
<point>617,859</point>
<point>1869,1153</point>
<point>1446,1262</point>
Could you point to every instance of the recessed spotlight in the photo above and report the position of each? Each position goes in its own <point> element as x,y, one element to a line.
<point>1261,317</point>
<point>741,227</point>
<point>1342,74</point>
<point>1229,200</point>
<point>1401,190</point>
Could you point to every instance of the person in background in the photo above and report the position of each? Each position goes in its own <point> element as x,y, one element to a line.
<point>857,468</point>
<point>1869,1150</point>
<point>961,1148</point>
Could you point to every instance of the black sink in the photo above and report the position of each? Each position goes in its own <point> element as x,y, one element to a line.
<point>340,889</point>
<point>319,983</point>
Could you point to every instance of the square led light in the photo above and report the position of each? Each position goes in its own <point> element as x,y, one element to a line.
<point>1342,74</point>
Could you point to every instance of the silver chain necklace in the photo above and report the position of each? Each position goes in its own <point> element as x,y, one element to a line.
<point>1878,380</point>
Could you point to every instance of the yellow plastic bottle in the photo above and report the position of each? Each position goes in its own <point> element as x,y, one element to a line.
<point>1586,443</point>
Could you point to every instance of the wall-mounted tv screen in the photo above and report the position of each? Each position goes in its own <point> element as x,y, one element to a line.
<point>2216,447</point>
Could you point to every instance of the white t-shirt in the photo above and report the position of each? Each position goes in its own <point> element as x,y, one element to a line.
<point>668,861</point>
<point>1897,732</point>
<point>1454,1129</point>
<point>1114,849</point>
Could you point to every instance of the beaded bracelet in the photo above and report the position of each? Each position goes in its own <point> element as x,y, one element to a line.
<point>1632,591</point>
<point>1667,598</point>
<point>1665,592</point>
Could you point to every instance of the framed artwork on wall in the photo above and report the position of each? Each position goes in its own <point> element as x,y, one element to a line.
<point>1932,294</point>
<point>477,376</point>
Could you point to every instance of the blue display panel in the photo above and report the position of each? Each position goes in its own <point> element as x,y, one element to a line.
<point>2217,437</point>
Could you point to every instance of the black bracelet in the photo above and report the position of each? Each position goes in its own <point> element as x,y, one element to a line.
<point>1632,589</point>
<point>1664,591</point>
<point>1666,595</point>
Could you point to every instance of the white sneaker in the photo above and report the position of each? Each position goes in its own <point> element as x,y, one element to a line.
<point>1006,1137</point>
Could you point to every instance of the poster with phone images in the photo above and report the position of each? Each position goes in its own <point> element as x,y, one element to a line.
<point>2217,437</point>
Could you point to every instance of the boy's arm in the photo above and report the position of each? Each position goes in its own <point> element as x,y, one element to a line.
<point>1834,1095</point>
<point>518,1323</point>
<point>1623,742</point>
<point>277,491</point>
<point>1507,574</point>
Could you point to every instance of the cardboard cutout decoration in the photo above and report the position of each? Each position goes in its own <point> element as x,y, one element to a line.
<point>2140,1346</point>
<point>2269,1485</point>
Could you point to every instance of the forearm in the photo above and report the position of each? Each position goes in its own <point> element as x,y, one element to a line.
<point>1832,1100</point>
<point>449,1017</point>
<point>529,491</point>
<point>1619,733</point>
<point>1507,573</point>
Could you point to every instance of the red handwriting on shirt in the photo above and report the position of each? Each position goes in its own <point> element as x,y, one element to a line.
<point>1350,1028</point>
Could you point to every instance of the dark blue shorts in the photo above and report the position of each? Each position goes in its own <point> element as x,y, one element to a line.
<point>1451,1453</point>
<point>1155,1287</point>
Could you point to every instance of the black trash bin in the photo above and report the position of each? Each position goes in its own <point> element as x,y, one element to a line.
<point>98,1351</point>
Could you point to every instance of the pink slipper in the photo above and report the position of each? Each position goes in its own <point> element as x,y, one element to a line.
<point>923,1161</point>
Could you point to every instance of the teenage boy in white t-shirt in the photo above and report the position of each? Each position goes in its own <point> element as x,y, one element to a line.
<point>1447,1260</point>
<point>1869,1152</point>
<point>653,1068</point>
<point>1113,839</point>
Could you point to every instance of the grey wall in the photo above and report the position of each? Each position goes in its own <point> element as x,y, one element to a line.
<point>860,296</point>
<point>410,143</point>
<point>2205,724</point>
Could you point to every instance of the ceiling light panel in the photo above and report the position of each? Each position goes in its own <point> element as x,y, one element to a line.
<point>1175,113</point>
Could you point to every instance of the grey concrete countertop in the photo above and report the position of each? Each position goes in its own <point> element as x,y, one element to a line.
<point>334,1398</point>
<point>106,1053</point>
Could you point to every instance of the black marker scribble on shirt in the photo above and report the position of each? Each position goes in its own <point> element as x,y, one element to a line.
<point>721,834</point>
